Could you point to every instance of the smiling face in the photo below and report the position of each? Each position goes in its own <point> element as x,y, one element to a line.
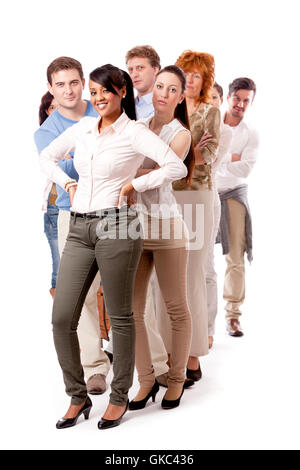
<point>106,103</point>
<point>67,88</point>
<point>194,82</point>
<point>239,101</point>
<point>167,92</point>
<point>142,74</point>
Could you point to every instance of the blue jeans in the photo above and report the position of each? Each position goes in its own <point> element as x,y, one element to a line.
<point>50,229</point>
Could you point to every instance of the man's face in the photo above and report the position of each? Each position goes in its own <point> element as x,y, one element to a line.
<point>67,88</point>
<point>239,101</point>
<point>142,74</point>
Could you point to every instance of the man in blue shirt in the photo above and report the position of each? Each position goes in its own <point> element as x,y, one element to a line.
<point>66,84</point>
<point>143,63</point>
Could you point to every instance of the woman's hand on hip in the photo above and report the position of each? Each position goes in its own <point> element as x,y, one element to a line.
<point>127,195</point>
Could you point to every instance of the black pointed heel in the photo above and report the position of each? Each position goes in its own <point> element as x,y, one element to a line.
<point>194,375</point>
<point>69,422</point>
<point>138,405</point>
<point>169,404</point>
<point>111,423</point>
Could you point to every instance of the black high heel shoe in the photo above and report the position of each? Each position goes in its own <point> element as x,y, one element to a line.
<point>169,404</point>
<point>69,422</point>
<point>111,423</point>
<point>194,375</point>
<point>139,404</point>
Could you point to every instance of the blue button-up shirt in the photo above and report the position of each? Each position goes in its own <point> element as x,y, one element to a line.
<point>144,106</point>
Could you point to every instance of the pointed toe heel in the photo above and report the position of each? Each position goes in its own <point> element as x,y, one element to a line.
<point>64,423</point>
<point>169,404</point>
<point>111,423</point>
<point>140,404</point>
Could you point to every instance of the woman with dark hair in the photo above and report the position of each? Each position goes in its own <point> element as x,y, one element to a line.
<point>47,106</point>
<point>198,200</point>
<point>104,231</point>
<point>164,245</point>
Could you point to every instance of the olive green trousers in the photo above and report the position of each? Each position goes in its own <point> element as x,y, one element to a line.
<point>113,244</point>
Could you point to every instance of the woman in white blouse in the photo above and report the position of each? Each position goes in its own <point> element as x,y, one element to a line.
<point>104,231</point>
<point>164,245</point>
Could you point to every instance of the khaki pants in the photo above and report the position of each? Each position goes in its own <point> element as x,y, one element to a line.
<point>211,275</point>
<point>169,256</point>
<point>170,266</point>
<point>234,284</point>
<point>196,273</point>
<point>94,360</point>
<point>158,351</point>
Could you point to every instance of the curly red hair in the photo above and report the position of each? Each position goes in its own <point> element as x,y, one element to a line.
<point>205,64</point>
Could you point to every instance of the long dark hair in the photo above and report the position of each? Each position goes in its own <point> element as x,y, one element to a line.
<point>181,114</point>
<point>44,106</point>
<point>109,77</point>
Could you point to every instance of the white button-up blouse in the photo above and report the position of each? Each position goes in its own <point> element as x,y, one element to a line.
<point>108,160</point>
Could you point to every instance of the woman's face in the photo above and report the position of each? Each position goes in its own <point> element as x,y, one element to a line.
<point>194,82</point>
<point>106,103</point>
<point>216,99</point>
<point>52,107</point>
<point>167,92</point>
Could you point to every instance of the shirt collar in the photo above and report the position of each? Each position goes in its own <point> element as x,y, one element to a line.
<point>243,123</point>
<point>147,99</point>
<point>117,126</point>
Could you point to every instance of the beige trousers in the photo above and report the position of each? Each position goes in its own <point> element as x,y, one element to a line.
<point>234,283</point>
<point>170,266</point>
<point>93,359</point>
<point>169,256</point>
<point>158,351</point>
<point>197,209</point>
<point>211,275</point>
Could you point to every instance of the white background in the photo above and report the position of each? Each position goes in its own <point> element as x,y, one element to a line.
<point>249,395</point>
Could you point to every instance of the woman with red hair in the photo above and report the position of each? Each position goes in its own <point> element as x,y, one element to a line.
<point>196,200</point>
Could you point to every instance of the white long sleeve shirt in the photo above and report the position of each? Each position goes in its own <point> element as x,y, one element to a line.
<point>161,202</point>
<point>224,146</point>
<point>108,160</point>
<point>244,142</point>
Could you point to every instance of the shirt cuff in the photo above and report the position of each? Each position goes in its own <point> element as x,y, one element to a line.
<point>139,184</point>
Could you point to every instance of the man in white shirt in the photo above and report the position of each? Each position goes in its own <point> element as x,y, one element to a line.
<point>231,178</point>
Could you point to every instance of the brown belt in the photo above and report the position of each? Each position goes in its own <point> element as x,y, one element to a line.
<point>53,195</point>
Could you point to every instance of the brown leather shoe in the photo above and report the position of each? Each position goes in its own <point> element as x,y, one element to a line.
<point>96,385</point>
<point>234,327</point>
